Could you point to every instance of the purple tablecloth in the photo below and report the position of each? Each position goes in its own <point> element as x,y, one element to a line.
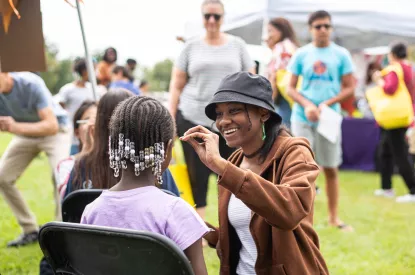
<point>360,138</point>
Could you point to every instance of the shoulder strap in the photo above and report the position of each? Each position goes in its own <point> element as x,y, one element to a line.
<point>397,68</point>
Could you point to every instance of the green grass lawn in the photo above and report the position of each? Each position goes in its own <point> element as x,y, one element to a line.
<point>384,241</point>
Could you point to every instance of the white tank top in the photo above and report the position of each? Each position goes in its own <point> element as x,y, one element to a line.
<point>240,217</point>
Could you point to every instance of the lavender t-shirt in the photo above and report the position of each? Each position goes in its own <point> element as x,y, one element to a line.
<point>148,209</point>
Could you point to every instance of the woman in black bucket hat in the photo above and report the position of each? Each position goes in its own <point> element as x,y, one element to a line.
<point>266,188</point>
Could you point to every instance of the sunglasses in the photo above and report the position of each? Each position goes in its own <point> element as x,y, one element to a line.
<point>326,26</point>
<point>215,15</point>
<point>84,121</point>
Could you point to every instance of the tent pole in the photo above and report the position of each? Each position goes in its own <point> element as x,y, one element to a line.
<point>89,63</point>
<point>265,22</point>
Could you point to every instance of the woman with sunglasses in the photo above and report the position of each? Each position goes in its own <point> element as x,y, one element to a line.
<point>266,188</point>
<point>202,64</point>
<point>82,120</point>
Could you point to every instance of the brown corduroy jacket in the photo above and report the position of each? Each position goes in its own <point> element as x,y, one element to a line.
<point>281,199</point>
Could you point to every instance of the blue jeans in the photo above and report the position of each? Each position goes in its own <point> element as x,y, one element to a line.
<point>284,110</point>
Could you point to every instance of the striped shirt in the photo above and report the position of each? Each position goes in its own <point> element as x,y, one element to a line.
<point>240,218</point>
<point>206,66</point>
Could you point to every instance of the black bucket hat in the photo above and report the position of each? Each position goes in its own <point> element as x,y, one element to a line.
<point>243,87</point>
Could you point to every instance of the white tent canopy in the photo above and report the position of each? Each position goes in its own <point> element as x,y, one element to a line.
<point>358,23</point>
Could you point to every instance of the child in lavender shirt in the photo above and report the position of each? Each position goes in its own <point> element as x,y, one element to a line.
<point>141,133</point>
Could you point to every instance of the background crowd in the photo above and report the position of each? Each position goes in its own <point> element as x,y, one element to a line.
<point>213,72</point>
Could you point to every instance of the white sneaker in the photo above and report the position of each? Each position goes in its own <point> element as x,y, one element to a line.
<point>387,193</point>
<point>408,198</point>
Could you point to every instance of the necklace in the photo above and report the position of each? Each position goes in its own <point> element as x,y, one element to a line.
<point>253,154</point>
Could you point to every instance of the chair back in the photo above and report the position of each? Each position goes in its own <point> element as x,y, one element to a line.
<point>85,249</point>
<point>74,204</point>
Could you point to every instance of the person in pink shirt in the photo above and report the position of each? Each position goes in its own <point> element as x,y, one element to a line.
<point>391,81</point>
<point>393,145</point>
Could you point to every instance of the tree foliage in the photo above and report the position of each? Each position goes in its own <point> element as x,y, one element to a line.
<point>159,76</point>
<point>59,72</point>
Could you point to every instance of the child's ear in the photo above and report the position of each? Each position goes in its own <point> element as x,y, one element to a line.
<point>168,152</point>
<point>167,155</point>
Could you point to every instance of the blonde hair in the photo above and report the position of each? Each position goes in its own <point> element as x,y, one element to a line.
<point>207,2</point>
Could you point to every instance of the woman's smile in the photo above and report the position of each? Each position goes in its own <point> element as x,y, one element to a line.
<point>230,132</point>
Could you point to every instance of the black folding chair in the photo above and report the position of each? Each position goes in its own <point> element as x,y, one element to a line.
<point>84,249</point>
<point>74,204</point>
<point>72,208</point>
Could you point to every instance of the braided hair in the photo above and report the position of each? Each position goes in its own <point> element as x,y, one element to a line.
<point>140,128</point>
<point>92,167</point>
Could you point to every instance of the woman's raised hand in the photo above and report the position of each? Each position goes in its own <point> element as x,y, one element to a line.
<point>207,149</point>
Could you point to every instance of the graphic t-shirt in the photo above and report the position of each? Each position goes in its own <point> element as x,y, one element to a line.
<point>322,70</point>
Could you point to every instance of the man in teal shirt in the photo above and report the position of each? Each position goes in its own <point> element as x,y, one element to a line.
<point>327,72</point>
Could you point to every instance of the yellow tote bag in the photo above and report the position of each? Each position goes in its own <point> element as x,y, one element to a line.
<point>391,111</point>
<point>282,81</point>
<point>178,169</point>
